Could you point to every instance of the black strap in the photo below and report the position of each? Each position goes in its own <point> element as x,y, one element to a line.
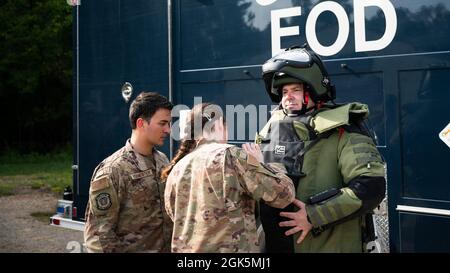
<point>314,142</point>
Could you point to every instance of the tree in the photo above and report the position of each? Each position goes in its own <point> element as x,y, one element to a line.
<point>35,74</point>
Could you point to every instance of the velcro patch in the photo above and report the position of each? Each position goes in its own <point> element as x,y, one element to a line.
<point>100,184</point>
<point>103,171</point>
<point>361,139</point>
<point>365,160</point>
<point>103,201</point>
<point>142,174</point>
<point>365,149</point>
<point>251,160</point>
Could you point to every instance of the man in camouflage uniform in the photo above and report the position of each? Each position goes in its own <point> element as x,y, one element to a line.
<point>211,193</point>
<point>125,212</point>
<point>329,154</point>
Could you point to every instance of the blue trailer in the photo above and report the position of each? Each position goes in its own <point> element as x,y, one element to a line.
<point>392,55</point>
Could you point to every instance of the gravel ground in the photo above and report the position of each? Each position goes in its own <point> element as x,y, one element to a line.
<point>20,232</point>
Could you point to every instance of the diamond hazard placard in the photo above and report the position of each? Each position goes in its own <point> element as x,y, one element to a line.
<point>444,135</point>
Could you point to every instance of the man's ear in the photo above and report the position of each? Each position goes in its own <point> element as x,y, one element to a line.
<point>140,123</point>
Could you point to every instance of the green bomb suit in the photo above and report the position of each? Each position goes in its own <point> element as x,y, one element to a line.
<point>345,158</point>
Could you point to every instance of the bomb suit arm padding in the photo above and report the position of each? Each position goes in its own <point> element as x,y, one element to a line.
<point>364,185</point>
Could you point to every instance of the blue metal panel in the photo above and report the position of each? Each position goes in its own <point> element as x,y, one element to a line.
<point>424,233</point>
<point>225,93</point>
<point>120,41</point>
<point>424,113</point>
<point>214,34</point>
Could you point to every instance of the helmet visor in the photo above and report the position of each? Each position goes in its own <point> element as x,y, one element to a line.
<point>296,58</point>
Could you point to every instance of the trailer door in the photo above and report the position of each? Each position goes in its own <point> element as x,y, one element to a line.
<point>119,42</point>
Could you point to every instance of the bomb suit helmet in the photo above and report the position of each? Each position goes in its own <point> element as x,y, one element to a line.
<point>298,65</point>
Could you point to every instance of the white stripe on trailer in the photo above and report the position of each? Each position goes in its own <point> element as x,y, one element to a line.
<point>66,223</point>
<point>443,212</point>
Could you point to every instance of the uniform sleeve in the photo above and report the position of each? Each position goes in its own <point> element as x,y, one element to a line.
<point>169,198</point>
<point>102,212</point>
<point>165,188</point>
<point>362,170</point>
<point>261,181</point>
<point>162,184</point>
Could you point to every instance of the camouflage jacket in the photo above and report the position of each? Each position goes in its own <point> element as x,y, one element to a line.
<point>125,212</point>
<point>210,195</point>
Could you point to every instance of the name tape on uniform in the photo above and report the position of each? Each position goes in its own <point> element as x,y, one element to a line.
<point>141,174</point>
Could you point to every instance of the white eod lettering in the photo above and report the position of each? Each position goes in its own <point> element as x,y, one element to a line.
<point>361,43</point>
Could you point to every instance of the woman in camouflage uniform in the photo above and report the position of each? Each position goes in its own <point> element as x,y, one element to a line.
<point>212,188</point>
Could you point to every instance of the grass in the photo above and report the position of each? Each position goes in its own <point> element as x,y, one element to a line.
<point>50,171</point>
<point>42,216</point>
<point>6,190</point>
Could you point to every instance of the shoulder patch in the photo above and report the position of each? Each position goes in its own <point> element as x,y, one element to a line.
<point>100,184</point>
<point>251,160</point>
<point>103,201</point>
<point>361,139</point>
